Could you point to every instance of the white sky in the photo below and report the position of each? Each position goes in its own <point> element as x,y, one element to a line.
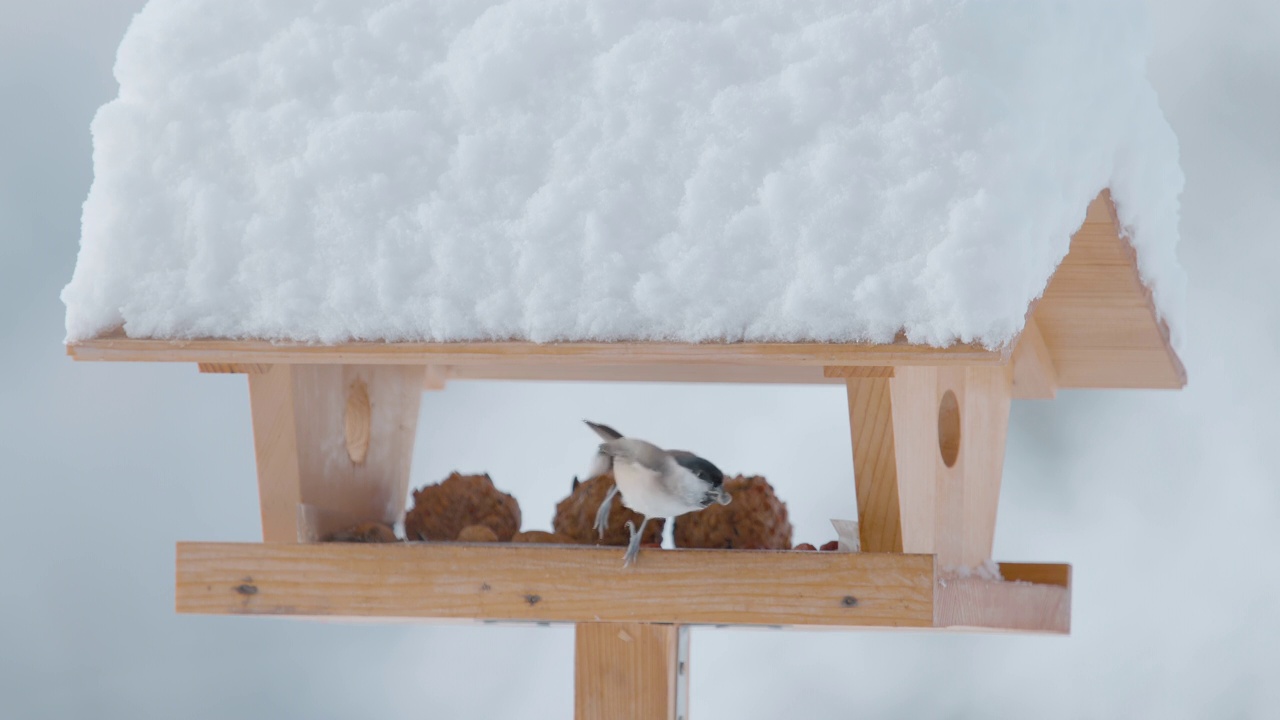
<point>1166,503</point>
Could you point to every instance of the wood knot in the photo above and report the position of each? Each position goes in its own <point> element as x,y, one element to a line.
<point>247,589</point>
<point>849,601</point>
<point>533,599</point>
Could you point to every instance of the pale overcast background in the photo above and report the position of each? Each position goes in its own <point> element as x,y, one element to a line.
<point>1165,503</point>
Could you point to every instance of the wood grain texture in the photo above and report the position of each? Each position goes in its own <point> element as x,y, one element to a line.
<point>1034,376</point>
<point>116,347</point>
<point>627,670</point>
<point>556,584</point>
<point>1097,318</point>
<point>308,477</point>
<point>874,465</point>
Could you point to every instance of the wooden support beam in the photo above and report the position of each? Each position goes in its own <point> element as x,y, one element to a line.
<point>665,372</point>
<point>578,584</point>
<point>333,445</point>
<point>547,583</point>
<point>928,448</point>
<point>875,465</point>
<point>630,670</point>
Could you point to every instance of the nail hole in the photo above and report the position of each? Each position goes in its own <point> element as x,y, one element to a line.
<point>949,428</point>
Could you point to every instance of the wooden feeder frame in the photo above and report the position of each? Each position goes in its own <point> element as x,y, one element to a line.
<point>334,428</point>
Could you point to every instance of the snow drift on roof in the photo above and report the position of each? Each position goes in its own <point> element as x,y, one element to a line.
<point>598,170</point>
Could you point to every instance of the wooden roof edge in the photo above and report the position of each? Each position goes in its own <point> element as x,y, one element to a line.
<point>115,346</point>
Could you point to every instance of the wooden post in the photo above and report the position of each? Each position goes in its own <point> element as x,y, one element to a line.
<point>631,670</point>
<point>333,445</point>
<point>928,452</point>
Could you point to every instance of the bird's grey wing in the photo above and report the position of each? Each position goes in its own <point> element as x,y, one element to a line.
<point>604,431</point>
<point>642,453</point>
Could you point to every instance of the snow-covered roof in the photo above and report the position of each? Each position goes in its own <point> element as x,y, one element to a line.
<point>765,170</point>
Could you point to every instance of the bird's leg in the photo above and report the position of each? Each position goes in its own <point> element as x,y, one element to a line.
<point>602,515</point>
<point>633,549</point>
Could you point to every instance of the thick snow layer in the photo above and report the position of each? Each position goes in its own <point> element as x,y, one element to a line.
<point>594,169</point>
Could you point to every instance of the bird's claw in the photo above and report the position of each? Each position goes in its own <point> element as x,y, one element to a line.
<point>633,547</point>
<point>602,514</point>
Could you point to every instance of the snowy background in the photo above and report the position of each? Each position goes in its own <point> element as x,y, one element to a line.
<point>1167,504</point>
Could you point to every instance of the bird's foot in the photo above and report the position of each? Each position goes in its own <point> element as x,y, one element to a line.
<point>602,514</point>
<point>633,547</point>
<point>602,519</point>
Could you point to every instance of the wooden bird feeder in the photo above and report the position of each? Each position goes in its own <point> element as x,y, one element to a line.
<point>334,428</point>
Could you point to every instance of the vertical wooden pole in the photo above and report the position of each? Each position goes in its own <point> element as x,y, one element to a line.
<point>333,445</point>
<point>928,450</point>
<point>631,670</point>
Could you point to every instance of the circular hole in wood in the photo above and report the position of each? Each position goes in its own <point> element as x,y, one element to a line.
<point>949,428</point>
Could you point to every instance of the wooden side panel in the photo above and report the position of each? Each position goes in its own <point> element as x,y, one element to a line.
<point>1097,318</point>
<point>546,583</point>
<point>928,450</point>
<point>627,670</point>
<point>334,444</point>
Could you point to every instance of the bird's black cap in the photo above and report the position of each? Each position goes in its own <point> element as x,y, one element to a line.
<point>700,467</point>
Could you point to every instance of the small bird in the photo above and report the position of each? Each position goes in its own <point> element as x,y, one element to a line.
<point>653,482</point>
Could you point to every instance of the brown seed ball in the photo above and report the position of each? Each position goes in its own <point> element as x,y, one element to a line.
<point>830,546</point>
<point>366,532</point>
<point>576,516</point>
<point>755,520</point>
<point>442,510</point>
<point>804,546</point>
<point>477,533</point>
<point>541,536</point>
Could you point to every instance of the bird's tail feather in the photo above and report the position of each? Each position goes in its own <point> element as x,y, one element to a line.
<point>604,431</point>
